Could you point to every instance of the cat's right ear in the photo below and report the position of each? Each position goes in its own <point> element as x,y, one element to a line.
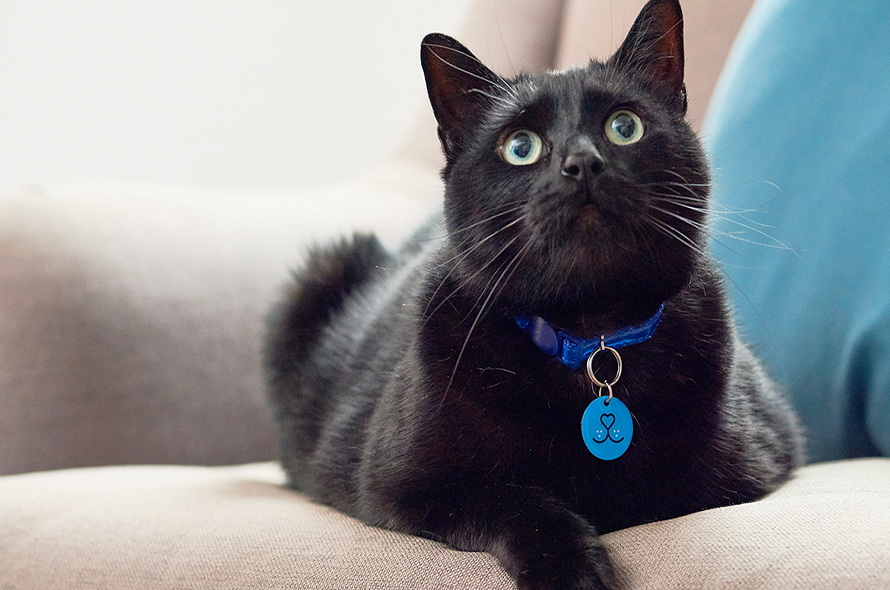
<point>654,48</point>
<point>460,87</point>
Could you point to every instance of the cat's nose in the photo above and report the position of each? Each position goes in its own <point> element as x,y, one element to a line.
<point>583,161</point>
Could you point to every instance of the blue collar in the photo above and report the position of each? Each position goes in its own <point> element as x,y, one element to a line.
<point>572,351</point>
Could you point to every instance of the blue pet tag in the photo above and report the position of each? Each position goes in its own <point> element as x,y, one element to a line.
<point>607,427</point>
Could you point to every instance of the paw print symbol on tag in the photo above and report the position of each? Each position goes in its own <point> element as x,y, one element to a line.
<point>607,428</point>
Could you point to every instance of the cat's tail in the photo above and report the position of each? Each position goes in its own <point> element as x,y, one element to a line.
<point>317,292</point>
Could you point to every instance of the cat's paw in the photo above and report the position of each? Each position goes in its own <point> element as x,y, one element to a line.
<point>556,549</point>
<point>589,570</point>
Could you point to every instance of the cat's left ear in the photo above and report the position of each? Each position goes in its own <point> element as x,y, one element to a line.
<point>460,87</point>
<point>654,47</point>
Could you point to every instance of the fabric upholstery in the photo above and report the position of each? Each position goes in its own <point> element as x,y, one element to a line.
<point>163,527</point>
<point>799,137</point>
<point>133,317</point>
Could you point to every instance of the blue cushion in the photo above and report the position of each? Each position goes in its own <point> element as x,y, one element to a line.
<point>799,136</point>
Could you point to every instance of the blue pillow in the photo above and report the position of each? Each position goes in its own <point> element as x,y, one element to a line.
<point>799,136</point>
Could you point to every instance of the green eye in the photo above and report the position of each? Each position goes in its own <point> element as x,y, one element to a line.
<point>522,148</point>
<point>624,128</point>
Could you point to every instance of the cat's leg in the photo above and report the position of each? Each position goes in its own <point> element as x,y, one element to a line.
<point>546,546</point>
<point>536,538</point>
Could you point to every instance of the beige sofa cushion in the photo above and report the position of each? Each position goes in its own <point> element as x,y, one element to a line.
<point>133,317</point>
<point>166,527</point>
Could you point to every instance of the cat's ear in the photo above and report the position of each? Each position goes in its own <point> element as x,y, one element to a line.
<point>654,48</point>
<point>460,87</point>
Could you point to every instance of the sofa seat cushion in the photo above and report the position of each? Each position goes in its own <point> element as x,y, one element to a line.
<point>237,527</point>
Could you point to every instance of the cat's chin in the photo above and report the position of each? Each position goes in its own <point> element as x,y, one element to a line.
<point>589,219</point>
<point>594,246</point>
<point>599,274</point>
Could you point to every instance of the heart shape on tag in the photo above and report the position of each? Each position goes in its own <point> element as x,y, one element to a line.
<point>607,428</point>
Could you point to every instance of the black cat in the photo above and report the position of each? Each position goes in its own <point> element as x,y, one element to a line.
<point>440,390</point>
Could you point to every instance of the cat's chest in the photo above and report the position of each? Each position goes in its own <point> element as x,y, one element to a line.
<point>504,392</point>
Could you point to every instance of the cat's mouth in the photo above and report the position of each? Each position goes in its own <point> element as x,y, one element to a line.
<point>595,217</point>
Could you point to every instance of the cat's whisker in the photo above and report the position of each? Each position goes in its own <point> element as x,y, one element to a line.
<point>518,206</point>
<point>455,261</point>
<point>692,202</point>
<point>689,193</point>
<point>724,216</point>
<point>479,272</point>
<point>487,294</point>
<point>699,225</point>
<point>697,208</point>
<point>484,290</point>
<point>436,239</point>
<point>741,213</point>
<point>459,246</point>
<point>707,230</point>
<point>714,209</point>
<point>520,256</point>
<point>499,81</point>
<point>513,206</point>
<point>683,179</point>
<point>490,96</point>
<point>503,278</point>
<point>772,242</point>
<point>481,242</point>
<point>776,243</point>
<point>673,232</point>
<point>717,211</point>
<point>683,185</point>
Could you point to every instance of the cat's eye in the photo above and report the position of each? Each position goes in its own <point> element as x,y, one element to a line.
<point>522,148</point>
<point>624,128</point>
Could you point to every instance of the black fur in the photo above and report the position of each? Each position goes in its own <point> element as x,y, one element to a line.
<point>408,397</point>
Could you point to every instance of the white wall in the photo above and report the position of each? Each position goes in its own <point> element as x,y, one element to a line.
<point>237,93</point>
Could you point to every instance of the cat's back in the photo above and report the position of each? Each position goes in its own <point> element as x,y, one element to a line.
<point>342,325</point>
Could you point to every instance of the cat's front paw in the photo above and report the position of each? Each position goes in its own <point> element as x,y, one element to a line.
<point>587,569</point>
<point>556,549</point>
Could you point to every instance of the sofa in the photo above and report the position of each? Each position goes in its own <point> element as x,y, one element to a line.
<point>137,448</point>
<point>132,324</point>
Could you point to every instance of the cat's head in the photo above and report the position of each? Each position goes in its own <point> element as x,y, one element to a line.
<point>585,186</point>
